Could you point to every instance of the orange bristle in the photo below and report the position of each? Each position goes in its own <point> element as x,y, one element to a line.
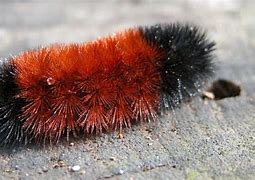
<point>95,86</point>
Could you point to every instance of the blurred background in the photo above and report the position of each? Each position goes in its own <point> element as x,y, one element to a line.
<point>214,140</point>
<point>26,24</point>
<point>29,23</point>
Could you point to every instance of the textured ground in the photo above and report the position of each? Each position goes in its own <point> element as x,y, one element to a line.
<point>213,140</point>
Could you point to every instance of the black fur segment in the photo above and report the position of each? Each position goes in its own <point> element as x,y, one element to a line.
<point>187,62</point>
<point>11,132</point>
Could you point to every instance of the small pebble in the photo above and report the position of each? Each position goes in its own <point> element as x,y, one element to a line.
<point>17,167</point>
<point>44,169</point>
<point>9,171</point>
<point>121,172</point>
<point>61,163</point>
<point>150,144</point>
<point>75,168</point>
<point>120,136</point>
<point>208,95</point>
<point>83,172</point>
<point>148,137</point>
<point>55,166</point>
<point>71,144</point>
<point>112,158</point>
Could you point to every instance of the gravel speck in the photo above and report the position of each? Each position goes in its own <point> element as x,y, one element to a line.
<point>112,158</point>
<point>44,169</point>
<point>121,172</point>
<point>75,168</point>
<point>83,172</point>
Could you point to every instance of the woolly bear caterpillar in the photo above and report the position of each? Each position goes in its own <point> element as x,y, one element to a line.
<point>103,84</point>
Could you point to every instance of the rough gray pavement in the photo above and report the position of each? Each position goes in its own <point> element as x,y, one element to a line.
<point>213,139</point>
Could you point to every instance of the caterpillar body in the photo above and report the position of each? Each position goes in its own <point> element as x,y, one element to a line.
<point>106,84</point>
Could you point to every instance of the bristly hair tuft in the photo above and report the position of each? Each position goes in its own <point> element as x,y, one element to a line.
<point>11,131</point>
<point>187,62</point>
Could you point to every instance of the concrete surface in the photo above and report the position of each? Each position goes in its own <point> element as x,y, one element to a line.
<point>213,139</point>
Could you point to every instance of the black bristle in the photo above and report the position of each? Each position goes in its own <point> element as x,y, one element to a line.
<point>11,132</point>
<point>187,62</point>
